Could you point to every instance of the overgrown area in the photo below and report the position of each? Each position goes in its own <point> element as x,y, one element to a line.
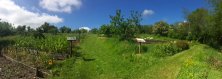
<point>122,61</point>
<point>184,50</point>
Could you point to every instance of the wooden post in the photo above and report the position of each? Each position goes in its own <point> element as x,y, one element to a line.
<point>16,55</point>
<point>70,48</point>
<point>71,39</point>
<point>140,41</point>
<point>139,47</point>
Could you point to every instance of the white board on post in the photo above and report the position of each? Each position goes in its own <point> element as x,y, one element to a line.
<point>71,38</point>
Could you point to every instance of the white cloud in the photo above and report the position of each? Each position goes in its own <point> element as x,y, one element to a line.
<point>147,12</point>
<point>86,28</point>
<point>18,15</point>
<point>60,5</point>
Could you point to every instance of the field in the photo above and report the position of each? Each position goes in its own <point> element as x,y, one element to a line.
<point>108,58</point>
<point>79,39</point>
<point>98,57</point>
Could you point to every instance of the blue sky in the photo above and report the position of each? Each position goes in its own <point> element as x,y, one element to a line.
<point>94,13</point>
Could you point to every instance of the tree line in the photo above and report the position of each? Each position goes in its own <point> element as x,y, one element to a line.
<point>8,29</point>
<point>203,25</point>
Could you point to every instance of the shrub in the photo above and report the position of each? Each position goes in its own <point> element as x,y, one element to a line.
<point>183,45</point>
<point>170,49</point>
<point>144,48</point>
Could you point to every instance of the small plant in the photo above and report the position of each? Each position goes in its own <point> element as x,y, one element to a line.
<point>144,48</point>
<point>215,62</point>
<point>182,44</point>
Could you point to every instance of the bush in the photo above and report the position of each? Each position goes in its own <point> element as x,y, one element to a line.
<point>170,49</point>
<point>144,48</point>
<point>183,45</point>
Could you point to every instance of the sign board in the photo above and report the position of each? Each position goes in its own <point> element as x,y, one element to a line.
<point>71,38</point>
<point>140,40</point>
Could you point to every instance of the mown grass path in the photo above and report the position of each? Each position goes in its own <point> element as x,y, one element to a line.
<point>114,59</point>
<point>189,64</point>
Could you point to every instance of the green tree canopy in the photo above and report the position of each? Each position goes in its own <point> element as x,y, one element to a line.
<point>161,28</point>
<point>65,29</point>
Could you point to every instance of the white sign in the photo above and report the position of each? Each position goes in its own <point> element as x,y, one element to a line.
<point>71,38</point>
<point>140,40</point>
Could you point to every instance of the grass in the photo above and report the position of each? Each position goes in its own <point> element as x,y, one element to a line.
<point>114,59</point>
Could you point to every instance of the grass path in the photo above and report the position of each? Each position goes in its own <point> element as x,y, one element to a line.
<point>117,60</point>
<point>171,68</point>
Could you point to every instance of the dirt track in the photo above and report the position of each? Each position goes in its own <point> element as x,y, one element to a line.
<point>10,70</point>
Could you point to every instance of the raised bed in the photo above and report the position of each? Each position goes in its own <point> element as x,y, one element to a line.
<point>12,70</point>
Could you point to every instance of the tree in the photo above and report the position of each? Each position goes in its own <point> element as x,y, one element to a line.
<point>179,30</point>
<point>117,22</point>
<point>38,34</point>
<point>94,30</point>
<point>106,30</point>
<point>29,29</point>
<point>161,28</point>
<point>199,25</point>
<point>218,22</point>
<point>5,28</point>
<point>53,30</point>
<point>146,29</point>
<point>124,28</point>
<point>47,28</point>
<point>65,29</point>
<point>21,29</point>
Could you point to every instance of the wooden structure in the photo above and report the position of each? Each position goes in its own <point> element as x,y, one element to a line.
<point>140,41</point>
<point>71,39</point>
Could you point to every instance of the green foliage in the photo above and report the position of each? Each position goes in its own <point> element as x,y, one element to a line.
<point>193,70</point>
<point>179,30</point>
<point>47,28</point>
<point>217,28</point>
<point>112,59</point>
<point>21,29</point>
<point>5,28</point>
<point>182,45</point>
<point>125,28</point>
<point>144,48</point>
<point>52,43</point>
<point>161,28</point>
<point>65,29</point>
<point>146,29</point>
<point>116,59</point>
<point>107,30</point>
<point>94,31</point>
<point>199,21</point>
<point>168,49</point>
<point>38,35</point>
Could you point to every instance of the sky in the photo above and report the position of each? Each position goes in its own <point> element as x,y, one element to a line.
<point>92,13</point>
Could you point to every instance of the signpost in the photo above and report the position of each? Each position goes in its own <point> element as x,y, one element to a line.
<point>71,39</point>
<point>140,41</point>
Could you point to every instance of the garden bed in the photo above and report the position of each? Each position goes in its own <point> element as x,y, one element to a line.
<point>12,70</point>
<point>154,41</point>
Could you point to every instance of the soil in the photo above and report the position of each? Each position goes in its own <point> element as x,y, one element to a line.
<point>154,41</point>
<point>11,70</point>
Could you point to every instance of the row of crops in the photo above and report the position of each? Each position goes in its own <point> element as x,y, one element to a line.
<point>41,53</point>
<point>52,43</point>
